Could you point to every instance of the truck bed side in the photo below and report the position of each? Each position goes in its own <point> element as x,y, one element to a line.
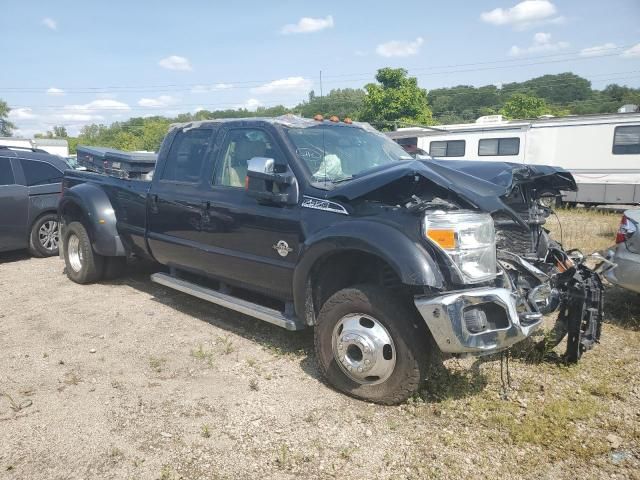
<point>114,210</point>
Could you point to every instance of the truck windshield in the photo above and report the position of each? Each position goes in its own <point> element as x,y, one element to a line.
<point>337,153</point>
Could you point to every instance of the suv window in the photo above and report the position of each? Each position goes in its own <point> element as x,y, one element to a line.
<point>39,173</point>
<point>6,172</point>
<point>499,146</point>
<point>449,148</point>
<point>240,146</point>
<point>186,156</point>
<point>626,140</point>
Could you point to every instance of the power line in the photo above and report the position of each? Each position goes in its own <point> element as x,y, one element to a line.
<point>78,109</point>
<point>249,84</point>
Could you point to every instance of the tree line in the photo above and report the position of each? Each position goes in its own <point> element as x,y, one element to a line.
<point>393,100</point>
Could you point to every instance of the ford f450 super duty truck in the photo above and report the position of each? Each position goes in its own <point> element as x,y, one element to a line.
<point>328,224</point>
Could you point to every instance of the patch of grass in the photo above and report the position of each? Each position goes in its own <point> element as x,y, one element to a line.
<point>346,453</point>
<point>157,363</point>
<point>204,355</point>
<point>604,389</point>
<point>551,425</point>
<point>166,473</point>
<point>282,457</point>
<point>253,384</point>
<point>226,345</point>
<point>71,378</point>
<point>205,431</point>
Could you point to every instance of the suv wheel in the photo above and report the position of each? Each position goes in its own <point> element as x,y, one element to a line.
<point>369,345</point>
<point>44,236</point>
<point>83,264</point>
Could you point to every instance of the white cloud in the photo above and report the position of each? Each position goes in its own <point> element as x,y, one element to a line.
<point>252,104</point>
<point>308,25</point>
<point>103,104</point>
<point>597,50</point>
<point>77,117</point>
<point>284,85</point>
<point>398,48</point>
<point>211,88</point>
<point>523,14</point>
<point>24,113</point>
<point>161,101</point>
<point>50,23</point>
<point>55,92</point>
<point>633,52</point>
<point>175,62</point>
<point>541,43</point>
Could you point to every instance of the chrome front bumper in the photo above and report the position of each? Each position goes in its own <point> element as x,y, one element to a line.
<point>445,317</point>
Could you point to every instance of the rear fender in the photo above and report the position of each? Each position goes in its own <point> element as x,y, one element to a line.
<point>97,216</point>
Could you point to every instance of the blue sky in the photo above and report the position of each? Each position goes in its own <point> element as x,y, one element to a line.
<point>73,63</point>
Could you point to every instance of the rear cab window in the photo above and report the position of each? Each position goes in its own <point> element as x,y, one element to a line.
<point>39,173</point>
<point>186,157</point>
<point>447,148</point>
<point>626,140</point>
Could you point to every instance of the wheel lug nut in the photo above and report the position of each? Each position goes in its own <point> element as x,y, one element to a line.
<point>367,362</point>
<point>360,369</point>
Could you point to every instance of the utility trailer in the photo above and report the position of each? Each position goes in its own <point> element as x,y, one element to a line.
<point>116,163</point>
<point>601,151</point>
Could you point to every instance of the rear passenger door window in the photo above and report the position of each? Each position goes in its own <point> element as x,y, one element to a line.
<point>186,157</point>
<point>39,173</point>
<point>6,172</point>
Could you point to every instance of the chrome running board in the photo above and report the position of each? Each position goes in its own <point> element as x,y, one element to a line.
<point>243,306</point>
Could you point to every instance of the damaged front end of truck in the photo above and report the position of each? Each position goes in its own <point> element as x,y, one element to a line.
<point>533,276</point>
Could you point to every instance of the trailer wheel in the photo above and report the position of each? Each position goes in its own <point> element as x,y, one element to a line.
<point>83,264</point>
<point>369,345</point>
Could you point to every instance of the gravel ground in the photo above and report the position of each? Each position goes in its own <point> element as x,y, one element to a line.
<point>128,379</point>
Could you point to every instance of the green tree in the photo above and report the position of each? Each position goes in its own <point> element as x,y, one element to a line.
<point>395,99</point>
<point>60,131</point>
<point>524,106</point>
<point>343,102</point>
<point>6,127</point>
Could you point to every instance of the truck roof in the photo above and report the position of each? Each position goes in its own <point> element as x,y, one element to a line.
<point>288,120</point>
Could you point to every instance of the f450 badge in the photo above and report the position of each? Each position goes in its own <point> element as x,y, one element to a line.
<point>282,248</point>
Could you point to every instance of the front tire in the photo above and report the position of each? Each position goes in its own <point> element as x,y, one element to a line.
<point>370,345</point>
<point>83,264</point>
<point>44,236</point>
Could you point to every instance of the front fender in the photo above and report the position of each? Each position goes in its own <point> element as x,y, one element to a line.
<point>98,217</point>
<point>410,261</point>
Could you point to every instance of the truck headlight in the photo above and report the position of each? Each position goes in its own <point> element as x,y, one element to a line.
<point>468,239</point>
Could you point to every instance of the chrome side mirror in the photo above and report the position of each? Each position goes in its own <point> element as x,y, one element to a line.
<point>261,165</point>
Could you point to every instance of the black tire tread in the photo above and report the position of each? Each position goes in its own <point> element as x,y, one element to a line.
<point>33,240</point>
<point>412,380</point>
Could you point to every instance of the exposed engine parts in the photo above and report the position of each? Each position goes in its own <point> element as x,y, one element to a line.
<point>550,278</point>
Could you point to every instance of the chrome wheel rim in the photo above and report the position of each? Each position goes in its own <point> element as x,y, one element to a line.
<point>74,252</point>
<point>363,349</point>
<point>48,235</point>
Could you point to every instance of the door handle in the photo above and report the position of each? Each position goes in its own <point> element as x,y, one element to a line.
<point>154,203</point>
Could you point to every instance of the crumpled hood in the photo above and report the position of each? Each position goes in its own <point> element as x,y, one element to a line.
<point>482,184</point>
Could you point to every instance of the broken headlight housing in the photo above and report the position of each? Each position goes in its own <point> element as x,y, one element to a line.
<point>468,239</point>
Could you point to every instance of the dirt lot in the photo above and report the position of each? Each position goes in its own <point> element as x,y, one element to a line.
<point>131,380</point>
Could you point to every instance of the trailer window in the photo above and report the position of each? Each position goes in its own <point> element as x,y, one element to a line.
<point>39,173</point>
<point>186,157</point>
<point>449,148</point>
<point>626,140</point>
<point>498,146</point>
<point>6,173</point>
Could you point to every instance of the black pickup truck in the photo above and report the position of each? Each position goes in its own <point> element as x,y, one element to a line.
<point>330,224</point>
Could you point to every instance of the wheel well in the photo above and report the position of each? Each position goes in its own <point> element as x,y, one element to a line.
<point>347,268</point>
<point>71,212</point>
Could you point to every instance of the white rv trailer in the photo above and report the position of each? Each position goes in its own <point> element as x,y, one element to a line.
<point>54,146</point>
<point>602,151</point>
